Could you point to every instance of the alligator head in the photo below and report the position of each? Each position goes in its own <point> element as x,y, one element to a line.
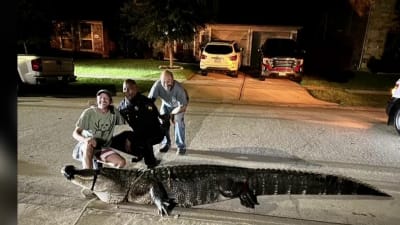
<point>101,182</point>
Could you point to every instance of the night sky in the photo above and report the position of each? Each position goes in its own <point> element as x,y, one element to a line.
<point>282,12</point>
<point>267,12</point>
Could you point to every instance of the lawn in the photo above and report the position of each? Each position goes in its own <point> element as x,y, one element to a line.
<point>138,69</point>
<point>364,89</point>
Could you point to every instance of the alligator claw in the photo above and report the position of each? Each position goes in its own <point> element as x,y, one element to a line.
<point>162,208</point>
<point>248,199</point>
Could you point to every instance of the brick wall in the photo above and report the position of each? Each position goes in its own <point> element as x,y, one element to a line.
<point>380,22</point>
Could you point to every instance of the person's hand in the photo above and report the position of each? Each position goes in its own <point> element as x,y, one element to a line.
<point>178,109</point>
<point>92,141</point>
<point>164,118</point>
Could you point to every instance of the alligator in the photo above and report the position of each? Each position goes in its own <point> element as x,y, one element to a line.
<point>190,185</point>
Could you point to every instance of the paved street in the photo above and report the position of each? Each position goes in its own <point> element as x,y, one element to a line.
<point>230,121</point>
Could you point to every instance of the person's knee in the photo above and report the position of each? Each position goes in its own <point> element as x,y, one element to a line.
<point>121,163</point>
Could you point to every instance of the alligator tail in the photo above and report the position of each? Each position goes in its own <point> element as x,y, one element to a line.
<point>275,182</point>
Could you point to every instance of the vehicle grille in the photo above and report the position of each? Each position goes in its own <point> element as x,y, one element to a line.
<point>283,63</point>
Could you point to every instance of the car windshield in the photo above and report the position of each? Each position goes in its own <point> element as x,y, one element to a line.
<point>280,47</point>
<point>218,49</point>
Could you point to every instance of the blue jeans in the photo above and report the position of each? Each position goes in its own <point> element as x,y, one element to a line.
<point>179,128</point>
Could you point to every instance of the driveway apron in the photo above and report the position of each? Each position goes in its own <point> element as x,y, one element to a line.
<point>221,88</point>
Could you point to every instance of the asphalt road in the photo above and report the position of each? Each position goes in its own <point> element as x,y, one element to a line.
<point>236,126</point>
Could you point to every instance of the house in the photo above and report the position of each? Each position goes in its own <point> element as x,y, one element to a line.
<point>249,37</point>
<point>82,36</point>
<point>90,37</point>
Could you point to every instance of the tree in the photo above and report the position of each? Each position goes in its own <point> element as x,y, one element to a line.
<point>33,26</point>
<point>164,20</point>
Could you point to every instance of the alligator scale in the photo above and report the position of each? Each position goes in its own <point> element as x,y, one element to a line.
<point>190,185</point>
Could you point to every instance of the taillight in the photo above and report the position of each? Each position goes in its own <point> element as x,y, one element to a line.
<point>266,65</point>
<point>203,56</point>
<point>233,58</point>
<point>299,61</point>
<point>36,65</point>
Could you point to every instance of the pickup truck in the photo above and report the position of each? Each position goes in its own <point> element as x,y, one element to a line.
<point>281,57</point>
<point>38,70</point>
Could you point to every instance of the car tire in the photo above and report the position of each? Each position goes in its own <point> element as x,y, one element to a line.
<point>234,74</point>
<point>396,120</point>
<point>204,72</point>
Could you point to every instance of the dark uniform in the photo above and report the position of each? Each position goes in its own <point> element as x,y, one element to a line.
<point>143,116</point>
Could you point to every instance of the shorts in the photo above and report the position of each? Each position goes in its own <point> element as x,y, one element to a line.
<point>99,153</point>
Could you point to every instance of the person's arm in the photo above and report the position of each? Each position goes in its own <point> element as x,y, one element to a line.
<point>153,93</point>
<point>179,109</point>
<point>120,118</point>
<point>77,135</point>
<point>183,101</point>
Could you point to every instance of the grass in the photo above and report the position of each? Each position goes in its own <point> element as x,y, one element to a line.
<point>360,81</point>
<point>364,89</point>
<point>346,98</point>
<point>112,72</point>
<point>138,69</point>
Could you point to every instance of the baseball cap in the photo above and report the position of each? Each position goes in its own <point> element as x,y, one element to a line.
<point>106,92</point>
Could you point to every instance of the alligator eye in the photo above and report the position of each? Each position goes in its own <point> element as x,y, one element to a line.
<point>68,172</point>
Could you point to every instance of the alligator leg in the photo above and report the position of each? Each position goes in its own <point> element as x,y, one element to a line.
<point>161,199</point>
<point>233,189</point>
<point>247,196</point>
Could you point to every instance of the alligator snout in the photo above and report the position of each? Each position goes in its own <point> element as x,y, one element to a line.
<point>68,171</point>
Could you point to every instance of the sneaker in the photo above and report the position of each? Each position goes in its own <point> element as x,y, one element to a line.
<point>156,163</point>
<point>87,193</point>
<point>164,148</point>
<point>181,151</point>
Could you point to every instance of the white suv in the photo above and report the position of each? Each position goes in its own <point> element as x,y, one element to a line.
<point>221,55</point>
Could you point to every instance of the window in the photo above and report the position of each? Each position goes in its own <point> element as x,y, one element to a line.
<point>86,37</point>
<point>218,49</point>
<point>64,32</point>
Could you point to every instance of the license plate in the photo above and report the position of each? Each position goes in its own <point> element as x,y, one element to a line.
<point>217,60</point>
<point>282,74</point>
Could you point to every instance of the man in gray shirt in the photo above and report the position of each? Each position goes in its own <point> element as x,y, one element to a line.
<point>174,101</point>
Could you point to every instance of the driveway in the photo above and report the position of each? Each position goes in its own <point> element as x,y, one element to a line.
<point>218,87</point>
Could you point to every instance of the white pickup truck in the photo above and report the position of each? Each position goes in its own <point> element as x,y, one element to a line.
<point>37,70</point>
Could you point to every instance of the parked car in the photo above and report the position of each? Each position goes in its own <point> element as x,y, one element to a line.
<point>281,57</point>
<point>221,55</point>
<point>44,67</point>
<point>393,107</point>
